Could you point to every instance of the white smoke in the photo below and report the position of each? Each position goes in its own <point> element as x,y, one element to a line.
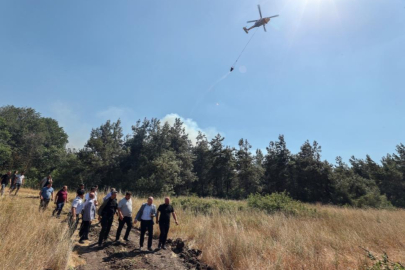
<point>69,118</point>
<point>191,127</point>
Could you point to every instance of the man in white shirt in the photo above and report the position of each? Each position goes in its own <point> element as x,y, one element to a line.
<point>77,207</point>
<point>87,198</point>
<point>146,214</point>
<point>125,216</point>
<point>19,181</point>
<point>89,213</point>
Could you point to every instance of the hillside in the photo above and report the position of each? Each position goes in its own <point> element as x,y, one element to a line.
<point>229,233</point>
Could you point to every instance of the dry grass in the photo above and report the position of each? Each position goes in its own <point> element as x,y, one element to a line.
<point>29,239</point>
<point>254,240</point>
<point>238,239</point>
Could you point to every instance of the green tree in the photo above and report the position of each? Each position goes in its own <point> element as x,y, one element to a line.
<point>202,166</point>
<point>276,165</point>
<point>222,171</point>
<point>71,171</point>
<point>5,149</point>
<point>311,177</point>
<point>392,181</point>
<point>249,175</point>
<point>102,153</point>
<point>182,147</point>
<point>36,143</point>
<point>151,145</point>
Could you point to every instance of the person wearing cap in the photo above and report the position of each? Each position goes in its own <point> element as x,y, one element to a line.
<point>89,213</point>
<point>146,214</point>
<point>109,194</point>
<point>77,207</point>
<point>106,216</point>
<point>125,216</point>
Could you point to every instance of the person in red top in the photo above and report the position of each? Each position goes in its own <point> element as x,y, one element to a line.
<point>60,200</point>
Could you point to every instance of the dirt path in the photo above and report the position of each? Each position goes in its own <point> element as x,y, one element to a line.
<point>126,255</point>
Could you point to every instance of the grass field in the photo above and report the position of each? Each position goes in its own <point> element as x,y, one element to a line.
<point>30,239</point>
<point>230,234</point>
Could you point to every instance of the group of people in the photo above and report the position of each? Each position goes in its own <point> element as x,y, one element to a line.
<point>85,206</point>
<point>15,180</point>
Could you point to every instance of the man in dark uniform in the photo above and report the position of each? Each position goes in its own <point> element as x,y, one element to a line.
<point>164,221</point>
<point>5,180</point>
<point>106,216</point>
<point>13,179</point>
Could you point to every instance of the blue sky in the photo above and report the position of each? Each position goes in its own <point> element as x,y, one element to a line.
<point>326,70</point>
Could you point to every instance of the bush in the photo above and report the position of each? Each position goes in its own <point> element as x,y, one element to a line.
<point>373,200</point>
<point>382,264</point>
<point>207,206</point>
<point>278,202</point>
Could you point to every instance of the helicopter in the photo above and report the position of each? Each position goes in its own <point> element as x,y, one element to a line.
<point>260,22</point>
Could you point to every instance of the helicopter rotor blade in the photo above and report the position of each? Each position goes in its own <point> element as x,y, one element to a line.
<point>252,21</point>
<point>264,27</point>
<point>260,11</point>
<point>273,16</point>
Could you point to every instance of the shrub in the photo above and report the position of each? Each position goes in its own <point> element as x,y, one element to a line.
<point>382,263</point>
<point>373,200</point>
<point>278,202</point>
<point>207,206</point>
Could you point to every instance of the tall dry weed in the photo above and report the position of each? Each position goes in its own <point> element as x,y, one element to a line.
<point>30,239</point>
<point>241,238</point>
<point>249,239</point>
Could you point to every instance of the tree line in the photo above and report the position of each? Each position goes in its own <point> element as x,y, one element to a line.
<point>160,158</point>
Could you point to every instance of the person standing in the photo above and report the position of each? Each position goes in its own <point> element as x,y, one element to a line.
<point>125,216</point>
<point>164,221</point>
<point>12,182</point>
<point>5,180</point>
<point>77,206</point>
<point>146,214</point>
<point>109,194</point>
<point>87,198</point>
<point>92,190</point>
<point>60,200</point>
<point>89,213</point>
<point>81,187</point>
<point>18,182</point>
<point>106,216</point>
<point>46,195</point>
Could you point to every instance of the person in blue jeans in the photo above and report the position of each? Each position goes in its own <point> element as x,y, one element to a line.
<point>46,195</point>
<point>60,200</point>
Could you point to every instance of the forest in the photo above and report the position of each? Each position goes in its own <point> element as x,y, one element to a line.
<point>160,159</point>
